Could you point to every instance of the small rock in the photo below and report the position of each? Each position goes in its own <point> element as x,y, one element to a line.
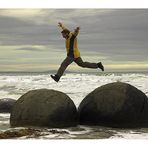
<point>6,105</point>
<point>17,133</point>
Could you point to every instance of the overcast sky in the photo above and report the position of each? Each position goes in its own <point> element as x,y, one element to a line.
<point>30,39</point>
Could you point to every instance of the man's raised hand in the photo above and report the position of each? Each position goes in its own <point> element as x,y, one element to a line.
<point>60,24</point>
<point>77,29</point>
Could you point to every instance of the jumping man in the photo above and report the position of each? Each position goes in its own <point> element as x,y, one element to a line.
<point>73,54</point>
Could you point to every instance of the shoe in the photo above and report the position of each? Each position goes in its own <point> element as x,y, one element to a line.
<point>55,77</point>
<point>100,66</point>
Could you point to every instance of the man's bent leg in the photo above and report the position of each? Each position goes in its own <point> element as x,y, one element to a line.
<point>63,66</point>
<point>80,62</point>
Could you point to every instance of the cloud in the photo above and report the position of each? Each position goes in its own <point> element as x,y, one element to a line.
<point>45,16</point>
<point>29,49</point>
<point>24,14</point>
<point>21,13</point>
<point>129,65</point>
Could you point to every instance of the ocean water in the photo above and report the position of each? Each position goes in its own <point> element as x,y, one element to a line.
<point>76,86</point>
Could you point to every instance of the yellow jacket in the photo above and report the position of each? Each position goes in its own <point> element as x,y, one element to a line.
<point>71,44</point>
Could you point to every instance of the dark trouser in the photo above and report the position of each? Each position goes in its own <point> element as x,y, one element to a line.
<point>78,61</point>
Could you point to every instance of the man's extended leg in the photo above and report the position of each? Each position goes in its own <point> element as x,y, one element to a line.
<point>80,62</point>
<point>62,68</point>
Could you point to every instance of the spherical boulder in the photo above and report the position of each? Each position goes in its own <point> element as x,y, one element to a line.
<point>116,104</point>
<point>43,107</point>
<point>6,105</point>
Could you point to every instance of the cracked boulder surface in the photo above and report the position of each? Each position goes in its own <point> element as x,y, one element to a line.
<point>44,108</point>
<point>116,105</point>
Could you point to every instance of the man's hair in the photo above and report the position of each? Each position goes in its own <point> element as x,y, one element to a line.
<point>65,31</point>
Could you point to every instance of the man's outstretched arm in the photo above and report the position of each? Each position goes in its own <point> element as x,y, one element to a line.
<point>62,26</point>
<point>75,33</point>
